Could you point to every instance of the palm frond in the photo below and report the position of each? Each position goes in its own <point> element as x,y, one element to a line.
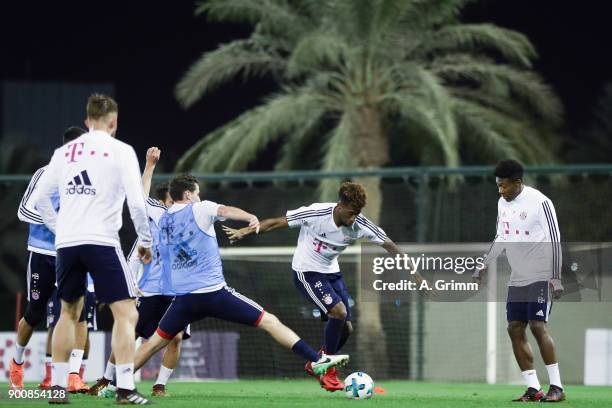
<point>316,52</point>
<point>338,154</point>
<point>247,57</point>
<point>526,86</point>
<point>280,115</point>
<point>294,144</point>
<point>512,45</point>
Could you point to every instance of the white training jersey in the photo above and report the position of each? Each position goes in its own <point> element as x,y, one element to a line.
<point>321,241</point>
<point>93,175</point>
<point>527,230</point>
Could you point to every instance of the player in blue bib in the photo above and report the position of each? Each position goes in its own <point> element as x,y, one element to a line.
<point>193,271</point>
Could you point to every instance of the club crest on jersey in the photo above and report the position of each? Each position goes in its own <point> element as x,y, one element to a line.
<point>327,299</point>
<point>80,185</point>
<point>523,215</point>
<point>35,294</point>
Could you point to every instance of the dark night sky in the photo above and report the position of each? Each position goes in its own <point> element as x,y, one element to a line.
<point>143,48</point>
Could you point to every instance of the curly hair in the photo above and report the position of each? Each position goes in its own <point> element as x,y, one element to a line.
<point>352,194</point>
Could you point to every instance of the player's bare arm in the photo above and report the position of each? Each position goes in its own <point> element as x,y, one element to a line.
<point>153,155</point>
<point>269,224</point>
<point>393,250</point>
<point>234,213</point>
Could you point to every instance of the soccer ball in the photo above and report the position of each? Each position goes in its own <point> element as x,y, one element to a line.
<point>358,386</point>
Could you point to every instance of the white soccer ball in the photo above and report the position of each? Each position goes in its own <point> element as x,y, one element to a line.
<point>358,386</point>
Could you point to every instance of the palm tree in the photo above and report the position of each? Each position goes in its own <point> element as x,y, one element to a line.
<point>362,75</point>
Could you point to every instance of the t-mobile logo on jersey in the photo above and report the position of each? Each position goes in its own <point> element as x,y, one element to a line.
<point>73,150</point>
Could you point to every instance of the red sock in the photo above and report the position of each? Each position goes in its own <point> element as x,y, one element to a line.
<point>82,372</point>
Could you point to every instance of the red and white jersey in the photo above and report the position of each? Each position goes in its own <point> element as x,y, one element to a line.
<point>93,175</point>
<point>321,241</point>
<point>528,231</point>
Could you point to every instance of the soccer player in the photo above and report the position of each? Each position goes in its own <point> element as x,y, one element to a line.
<point>151,302</point>
<point>326,229</point>
<point>94,174</point>
<point>528,232</point>
<point>41,267</point>
<point>192,269</point>
<point>79,355</point>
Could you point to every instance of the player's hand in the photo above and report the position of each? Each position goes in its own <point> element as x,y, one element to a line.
<point>254,223</point>
<point>556,287</point>
<point>144,254</point>
<point>153,154</point>
<point>478,274</point>
<point>234,234</point>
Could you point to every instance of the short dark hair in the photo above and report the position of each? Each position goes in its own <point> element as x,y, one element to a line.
<point>161,191</point>
<point>509,169</point>
<point>72,133</point>
<point>352,194</point>
<point>99,106</point>
<point>180,184</point>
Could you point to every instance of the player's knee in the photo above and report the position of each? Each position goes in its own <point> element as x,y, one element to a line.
<point>268,321</point>
<point>33,315</point>
<point>348,329</point>
<point>538,328</point>
<point>72,310</point>
<point>175,343</point>
<point>338,311</point>
<point>516,329</point>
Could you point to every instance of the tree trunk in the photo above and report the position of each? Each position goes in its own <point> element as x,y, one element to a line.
<point>373,152</point>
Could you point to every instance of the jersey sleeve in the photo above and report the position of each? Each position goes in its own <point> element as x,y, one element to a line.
<point>27,211</point>
<point>155,209</point>
<point>48,185</point>
<point>371,231</point>
<point>298,217</point>
<point>205,213</point>
<point>548,220</point>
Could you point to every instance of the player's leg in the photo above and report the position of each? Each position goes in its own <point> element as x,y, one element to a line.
<point>227,304</point>
<point>46,382</point>
<point>71,284</point>
<point>114,286</point>
<point>516,314</point>
<point>75,383</point>
<point>319,289</point>
<point>538,311</point>
<point>169,363</point>
<point>340,288</point>
<point>40,286</point>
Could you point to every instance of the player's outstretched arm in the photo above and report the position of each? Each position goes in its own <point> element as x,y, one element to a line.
<point>235,213</point>
<point>153,154</point>
<point>393,250</point>
<point>266,225</point>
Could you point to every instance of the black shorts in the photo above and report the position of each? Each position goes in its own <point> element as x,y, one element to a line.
<point>88,314</point>
<point>530,302</point>
<point>112,277</point>
<point>225,304</point>
<point>151,309</point>
<point>40,280</point>
<point>325,290</point>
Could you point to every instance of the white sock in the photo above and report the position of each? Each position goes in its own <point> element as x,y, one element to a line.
<point>553,374</point>
<point>109,373</point>
<point>164,375</point>
<point>48,360</point>
<point>531,379</point>
<point>76,356</point>
<point>19,350</point>
<point>125,376</point>
<point>59,374</point>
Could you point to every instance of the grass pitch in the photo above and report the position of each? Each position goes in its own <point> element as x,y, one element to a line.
<point>306,393</point>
